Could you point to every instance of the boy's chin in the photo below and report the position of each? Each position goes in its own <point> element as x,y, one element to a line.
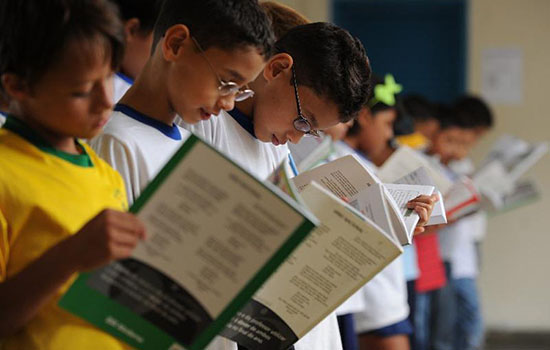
<point>263,137</point>
<point>91,134</point>
<point>194,118</point>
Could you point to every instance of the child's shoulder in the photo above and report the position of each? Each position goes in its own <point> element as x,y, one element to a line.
<point>13,148</point>
<point>104,169</point>
<point>121,132</point>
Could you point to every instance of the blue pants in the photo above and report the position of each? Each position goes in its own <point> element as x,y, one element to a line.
<point>443,318</point>
<point>421,321</point>
<point>433,318</point>
<point>469,323</point>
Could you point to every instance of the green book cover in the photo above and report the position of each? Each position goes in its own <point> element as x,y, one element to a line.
<point>215,234</point>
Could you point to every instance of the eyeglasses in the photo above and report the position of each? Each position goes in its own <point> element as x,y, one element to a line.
<point>301,123</point>
<point>229,87</point>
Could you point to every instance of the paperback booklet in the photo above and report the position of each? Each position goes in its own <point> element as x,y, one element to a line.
<point>214,235</point>
<point>405,160</point>
<point>460,197</point>
<point>348,249</point>
<point>420,176</point>
<point>525,192</point>
<point>509,159</point>
<point>346,177</point>
<point>311,151</point>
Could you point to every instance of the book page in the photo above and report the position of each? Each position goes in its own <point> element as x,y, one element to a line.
<point>420,176</point>
<point>402,194</point>
<point>462,199</point>
<point>405,161</point>
<point>439,213</point>
<point>311,151</point>
<point>370,202</point>
<point>398,222</point>
<point>517,156</point>
<point>493,178</point>
<point>214,234</point>
<point>335,261</point>
<point>344,177</point>
<point>281,178</point>
<point>526,192</point>
<point>527,160</point>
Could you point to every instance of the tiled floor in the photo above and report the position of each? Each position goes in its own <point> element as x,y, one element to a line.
<point>517,341</point>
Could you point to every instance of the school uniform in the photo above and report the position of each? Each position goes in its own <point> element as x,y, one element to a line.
<point>121,84</point>
<point>137,146</point>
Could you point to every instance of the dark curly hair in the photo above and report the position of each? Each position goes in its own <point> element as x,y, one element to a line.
<point>225,24</point>
<point>330,61</point>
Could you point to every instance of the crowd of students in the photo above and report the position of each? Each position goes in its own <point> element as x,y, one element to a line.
<point>96,97</point>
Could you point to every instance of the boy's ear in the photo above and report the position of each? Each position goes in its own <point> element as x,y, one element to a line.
<point>131,28</point>
<point>14,86</point>
<point>175,41</point>
<point>364,117</point>
<point>277,64</point>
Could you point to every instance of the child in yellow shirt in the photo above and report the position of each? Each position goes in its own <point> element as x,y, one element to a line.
<point>61,207</point>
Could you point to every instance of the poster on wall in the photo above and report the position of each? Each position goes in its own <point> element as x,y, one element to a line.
<point>502,75</point>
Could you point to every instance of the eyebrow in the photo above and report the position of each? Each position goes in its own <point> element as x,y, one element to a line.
<point>312,119</point>
<point>236,77</point>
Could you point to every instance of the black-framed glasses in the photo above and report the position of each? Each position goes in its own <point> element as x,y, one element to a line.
<point>301,123</point>
<point>226,88</point>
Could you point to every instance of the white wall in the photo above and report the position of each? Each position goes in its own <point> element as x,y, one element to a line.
<point>515,280</point>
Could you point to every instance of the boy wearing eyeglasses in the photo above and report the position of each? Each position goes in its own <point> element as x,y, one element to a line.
<point>205,52</point>
<point>318,77</point>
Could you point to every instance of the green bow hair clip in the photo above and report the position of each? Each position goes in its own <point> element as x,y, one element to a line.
<point>386,92</point>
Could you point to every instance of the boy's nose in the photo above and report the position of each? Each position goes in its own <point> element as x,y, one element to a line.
<point>105,91</point>
<point>226,103</point>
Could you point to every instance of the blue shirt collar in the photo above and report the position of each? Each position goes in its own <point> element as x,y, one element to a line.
<point>244,121</point>
<point>172,131</point>
<point>125,78</point>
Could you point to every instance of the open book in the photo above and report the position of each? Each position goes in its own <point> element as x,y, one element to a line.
<point>420,176</point>
<point>460,197</point>
<point>309,154</point>
<point>525,192</point>
<point>339,257</point>
<point>509,159</point>
<point>215,234</point>
<point>347,177</point>
<point>311,151</point>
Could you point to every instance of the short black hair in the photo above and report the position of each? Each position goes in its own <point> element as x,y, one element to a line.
<point>412,108</point>
<point>225,24</point>
<point>419,108</point>
<point>35,33</point>
<point>446,117</point>
<point>404,123</point>
<point>145,10</point>
<point>330,61</point>
<point>472,112</point>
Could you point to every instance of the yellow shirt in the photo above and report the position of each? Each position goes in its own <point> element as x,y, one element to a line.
<point>415,140</point>
<point>44,198</point>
